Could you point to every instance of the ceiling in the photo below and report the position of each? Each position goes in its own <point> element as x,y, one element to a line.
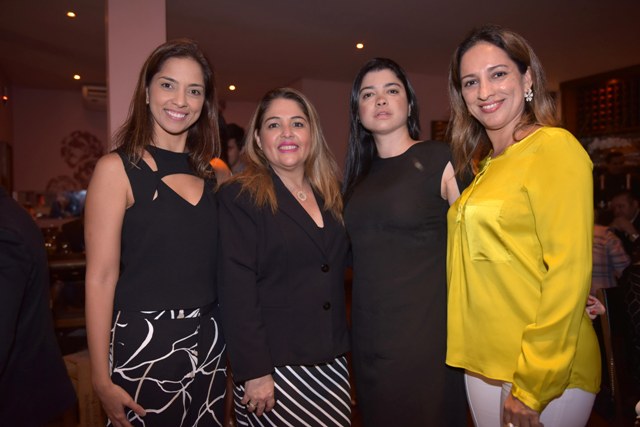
<point>258,45</point>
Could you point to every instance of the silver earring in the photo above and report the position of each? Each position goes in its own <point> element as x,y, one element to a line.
<point>528,95</point>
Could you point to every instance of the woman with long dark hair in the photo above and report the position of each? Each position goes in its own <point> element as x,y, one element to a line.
<point>157,352</point>
<point>397,191</point>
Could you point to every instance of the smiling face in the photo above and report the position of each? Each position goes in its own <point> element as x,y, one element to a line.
<point>175,97</point>
<point>284,135</point>
<point>383,106</point>
<point>493,88</point>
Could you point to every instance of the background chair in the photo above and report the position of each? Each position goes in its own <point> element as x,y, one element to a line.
<point>618,337</point>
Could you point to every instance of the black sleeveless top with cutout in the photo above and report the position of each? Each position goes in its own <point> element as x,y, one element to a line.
<point>169,246</point>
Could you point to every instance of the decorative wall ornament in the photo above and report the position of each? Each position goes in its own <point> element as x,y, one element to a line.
<point>80,151</point>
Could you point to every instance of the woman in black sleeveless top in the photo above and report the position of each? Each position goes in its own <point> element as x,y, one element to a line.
<point>157,354</point>
<point>397,193</point>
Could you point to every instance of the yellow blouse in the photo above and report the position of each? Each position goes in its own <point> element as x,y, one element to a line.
<point>519,270</point>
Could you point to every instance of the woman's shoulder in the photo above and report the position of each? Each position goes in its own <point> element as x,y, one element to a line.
<point>112,162</point>
<point>229,189</point>
<point>555,139</point>
<point>553,132</point>
<point>432,147</point>
<point>550,146</point>
<point>431,151</point>
<point>547,134</point>
<point>109,176</point>
<point>233,192</point>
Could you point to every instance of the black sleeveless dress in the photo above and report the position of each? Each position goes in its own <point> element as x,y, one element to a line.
<point>396,219</point>
<point>167,347</point>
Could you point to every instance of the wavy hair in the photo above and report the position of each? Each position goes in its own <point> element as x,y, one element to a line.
<point>362,148</point>
<point>320,167</point>
<point>203,140</point>
<point>469,140</point>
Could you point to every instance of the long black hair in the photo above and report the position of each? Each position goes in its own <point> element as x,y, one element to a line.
<point>362,148</point>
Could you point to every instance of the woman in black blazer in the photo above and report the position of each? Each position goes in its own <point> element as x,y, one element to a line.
<point>284,251</point>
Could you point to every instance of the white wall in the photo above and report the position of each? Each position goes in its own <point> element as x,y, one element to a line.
<point>433,100</point>
<point>239,112</point>
<point>128,48</point>
<point>331,100</point>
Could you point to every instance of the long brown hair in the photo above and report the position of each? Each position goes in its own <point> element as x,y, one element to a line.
<point>320,166</point>
<point>203,140</point>
<point>468,137</point>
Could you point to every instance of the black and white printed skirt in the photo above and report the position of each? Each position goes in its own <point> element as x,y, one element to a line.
<point>172,363</point>
<point>317,395</point>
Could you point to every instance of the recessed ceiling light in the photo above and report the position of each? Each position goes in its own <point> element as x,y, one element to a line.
<point>359,45</point>
<point>232,87</point>
<point>71,14</point>
<point>76,77</point>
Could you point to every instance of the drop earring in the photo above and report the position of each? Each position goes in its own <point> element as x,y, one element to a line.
<point>528,95</point>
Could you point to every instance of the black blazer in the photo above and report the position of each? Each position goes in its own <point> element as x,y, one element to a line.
<point>34,386</point>
<point>281,284</point>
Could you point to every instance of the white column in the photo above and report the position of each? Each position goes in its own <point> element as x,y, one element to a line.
<point>134,29</point>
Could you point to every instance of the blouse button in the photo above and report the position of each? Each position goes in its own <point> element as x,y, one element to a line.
<point>324,268</point>
<point>326,305</point>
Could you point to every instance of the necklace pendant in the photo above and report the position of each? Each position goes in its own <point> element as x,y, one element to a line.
<point>301,195</point>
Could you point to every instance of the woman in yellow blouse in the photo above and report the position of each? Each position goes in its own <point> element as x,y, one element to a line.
<point>519,250</point>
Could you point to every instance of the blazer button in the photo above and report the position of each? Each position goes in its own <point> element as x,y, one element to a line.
<point>326,305</point>
<point>324,268</point>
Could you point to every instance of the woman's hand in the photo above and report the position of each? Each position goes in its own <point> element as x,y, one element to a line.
<point>517,414</point>
<point>114,400</point>
<point>259,395</point>
<point>594,307</point>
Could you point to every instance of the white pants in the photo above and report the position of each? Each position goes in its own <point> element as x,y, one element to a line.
<point>486,399</point>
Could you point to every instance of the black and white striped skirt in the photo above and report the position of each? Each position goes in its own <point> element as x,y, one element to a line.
<point>317,395</point>
<point>172,363</point>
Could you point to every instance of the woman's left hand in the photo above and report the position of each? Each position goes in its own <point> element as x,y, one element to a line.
<point>259,395</point>
<point>517,414</point>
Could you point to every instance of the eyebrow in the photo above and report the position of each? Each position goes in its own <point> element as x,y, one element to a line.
<point>385,85</point>
<point>280,118</point>
<point>175,81</point>
<point>492,68</point>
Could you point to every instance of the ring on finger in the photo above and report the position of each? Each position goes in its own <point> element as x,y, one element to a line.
<point>511,425</point>
<point>250,405</point>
